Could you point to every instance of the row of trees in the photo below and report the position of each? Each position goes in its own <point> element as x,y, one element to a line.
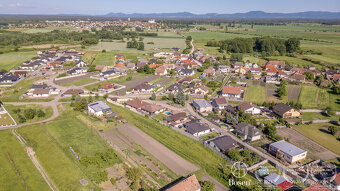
<point>134,44</point>
<point>266,45</point>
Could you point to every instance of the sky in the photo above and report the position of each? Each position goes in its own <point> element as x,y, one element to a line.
<point>100,7</point>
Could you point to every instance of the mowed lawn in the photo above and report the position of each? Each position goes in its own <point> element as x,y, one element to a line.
<point>12,94</point>
<point>80,82</point>
<point>61,169</point>
<point>17,170</point>
<point>255,94</point>
<point>13,59</point>
<point>318,133</point>
<point>47,110</point>
<point>105,58</point>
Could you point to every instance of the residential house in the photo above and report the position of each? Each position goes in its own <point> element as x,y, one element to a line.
<point>186,72</point>
<point>143,88</point>
<point>247,131</point>
<point>224,69</point>
<point>76,71</point>
<point>197,128</point>
<point>209,72</point>
<point>110,72</point>
<point>101,68</point>
<point>202,105</point>
<point>311,67</point>
<point>70,92</point>
<point>200,90</point>
<point>336,181</point>
<point>108,88</point>
<point>177,118</point>
<point>81,64</point>
<point>186,80</point>
<point>223,143</point>
<point>336,77</point>
<point>230,109</point>
<point>141,64</point>
<point>287,151</point>
<point>136,104</point>
<point>174,88</point>
<point>20,74</point>
<point>161,71</point>
<point>9,78</point>
<point>41,92</point>
<point>219,103</point>
<point>277,64</point>
<point>317,187</point>
<point>237,64</point>
<point>249,108</point>
<point>232,91</point>
<point>274,179</point>
<point>189,183</point>
<point>285,111</point>
<point>153,109</point>
<point>298,77</point>
<point>98,108</point>
<point>131,66</point>
<point>241,70</point>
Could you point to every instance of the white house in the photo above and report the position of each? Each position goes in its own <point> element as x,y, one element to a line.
<point>287,151</point>
<point>196,128</point>
<point>98,108</point>
<point>202,105</point>
<point>249,108</point>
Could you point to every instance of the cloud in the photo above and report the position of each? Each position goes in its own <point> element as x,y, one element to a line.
<point>16,5</point>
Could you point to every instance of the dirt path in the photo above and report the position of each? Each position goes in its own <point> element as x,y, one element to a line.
<point>35,161</point>
<point>307,144</point>
<point>173,161</point>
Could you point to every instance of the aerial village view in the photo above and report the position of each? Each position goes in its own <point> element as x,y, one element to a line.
<point>210,96</point>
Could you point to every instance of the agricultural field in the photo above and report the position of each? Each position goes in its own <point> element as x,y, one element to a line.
<point>318,132</point>
<point>15,111</point>
<point>55,159</point>
<point>308,116</point>
<point>313,97</point>
<point>18,171</point>
<point>255,94</point>
<point>49,29</point>
<point>5,119</point>
<point>11,60</point>
<point>309,97</point>
<point>158,42</point>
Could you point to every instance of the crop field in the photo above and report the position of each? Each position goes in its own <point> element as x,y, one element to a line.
<point>105,58</point>
<point>14,59</point>
<point>18,172</point>
<point>205,36</point>
<point>255,94</point>
<point>314,132</point>
<point>309,97</point>
<point>158,42</point>
<point>49,29</point>
<point>54,158</point>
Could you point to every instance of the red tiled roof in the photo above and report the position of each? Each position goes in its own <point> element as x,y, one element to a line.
<point>317,187</point>
<point>336,76</point>
<point>188,184</point>
<point>231,90</point>
<point>285,185</point>
<point>107,86</point>
<point>337,178</point>
<point>136,103</point>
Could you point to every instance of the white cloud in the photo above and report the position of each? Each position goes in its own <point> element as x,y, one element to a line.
<point>16,5</point>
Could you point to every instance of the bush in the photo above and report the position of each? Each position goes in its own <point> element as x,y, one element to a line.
<point>99,177</point>
<point>207,186</point>
<point>29,113</point>
<point>134,174</point>
<point>40,113</point>
<point>113,181</point>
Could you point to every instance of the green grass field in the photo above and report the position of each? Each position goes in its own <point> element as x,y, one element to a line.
<point>5,119</point>
<point>309,97</point>
<point>80,82</point>
<point>48,112</point>
<point>307,116</point>
<point>17,170</point>
<point>255,94</point>
<point>13,59</point>
<point>62,170</point>
<point>317,134</point>
<point>105,58</point>
<point>49,29</point>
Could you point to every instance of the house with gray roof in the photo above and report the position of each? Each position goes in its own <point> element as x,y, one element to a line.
<point>274,179</point>
<point>247,131</point>
<point>223,143</point>
<point>197,128</point>
<point>287,151</point>
<point>202,105</point>
<point>98,108</point>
